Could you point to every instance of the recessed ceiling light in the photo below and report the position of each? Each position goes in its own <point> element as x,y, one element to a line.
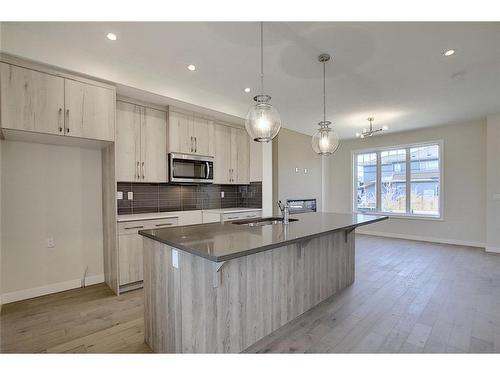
<point>191,67</point>
<point>111,36</point>
<point>247,89</point>
<point>449,52</point>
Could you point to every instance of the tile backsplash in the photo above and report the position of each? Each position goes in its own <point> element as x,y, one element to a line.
<point>169,197</point>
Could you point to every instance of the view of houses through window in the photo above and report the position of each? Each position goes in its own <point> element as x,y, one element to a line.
<point>404,180</point>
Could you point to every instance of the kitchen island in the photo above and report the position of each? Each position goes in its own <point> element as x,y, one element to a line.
<point>221,287</point>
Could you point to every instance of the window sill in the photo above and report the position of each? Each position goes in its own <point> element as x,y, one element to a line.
<point>402,216</point>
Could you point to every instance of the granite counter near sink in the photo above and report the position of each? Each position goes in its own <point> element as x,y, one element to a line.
<point>224,241</point>
<point>221,287</point>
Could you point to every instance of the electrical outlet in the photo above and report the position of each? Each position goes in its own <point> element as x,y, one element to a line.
<point>130,196</point>
<point>119,195</point>
<point>222,194</point>
<point>50,243</point>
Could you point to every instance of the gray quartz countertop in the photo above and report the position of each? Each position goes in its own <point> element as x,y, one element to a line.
<point>232,210</point>
<point>224,241</point>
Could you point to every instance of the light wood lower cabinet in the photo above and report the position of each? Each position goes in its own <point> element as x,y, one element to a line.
<point>130,247</point>
<point>130,255</point>
<point>130,244</point>
<point>141,143</point>
<point>49,104</point>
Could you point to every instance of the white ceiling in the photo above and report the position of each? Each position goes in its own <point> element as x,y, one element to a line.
<point>392,71</point>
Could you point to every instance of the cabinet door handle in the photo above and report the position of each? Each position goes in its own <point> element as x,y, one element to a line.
<point>164,224</point>
<point>143,170</point>
<point>195,144</point>
<point>138,170</point>
<point>191,144</point>
<point>67,121</point>
<point>59,118</point>
<point>136,227</point>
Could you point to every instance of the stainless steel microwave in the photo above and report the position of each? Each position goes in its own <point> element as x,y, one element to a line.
<point>191,168</point>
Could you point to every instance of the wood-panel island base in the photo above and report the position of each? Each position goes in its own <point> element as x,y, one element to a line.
<point>224,307</point>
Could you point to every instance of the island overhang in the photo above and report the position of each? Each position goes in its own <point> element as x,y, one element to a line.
<point>220,242</point>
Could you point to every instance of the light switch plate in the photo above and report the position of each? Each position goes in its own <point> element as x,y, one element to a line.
<point>50,243</point>
<point>175,258</point>
<point>496,197</point>
<point>119,195</point>
<point>130,196</point>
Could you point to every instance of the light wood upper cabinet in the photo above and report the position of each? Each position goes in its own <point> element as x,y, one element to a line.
<point>128,141</point>
<point>51,104</point>
<point>141,143</point>
<point>190,134</point>
<point>180,133</point>
<point>231,155</point>
<point>154,145</point>
<point>222,157</point>
<point>255,160</point>
<point>241,174</point>
<point>89,111</point>
<point>30,100</point>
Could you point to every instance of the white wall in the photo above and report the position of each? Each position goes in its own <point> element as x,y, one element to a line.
<point>493,184</point>
<point>464,187</point>
<point>49,191</point>
<point>293,150</point>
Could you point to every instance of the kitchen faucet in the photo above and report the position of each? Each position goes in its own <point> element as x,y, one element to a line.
<point>285,212</point>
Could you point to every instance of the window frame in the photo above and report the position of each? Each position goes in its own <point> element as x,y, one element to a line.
<point>408,214</point>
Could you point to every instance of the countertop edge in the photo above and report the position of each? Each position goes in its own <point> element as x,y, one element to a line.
<point>261,248</point>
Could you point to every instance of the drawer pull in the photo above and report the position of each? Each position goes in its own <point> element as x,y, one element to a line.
<point>164,224</point>
<point>233,217</point>
<point>136,227</point>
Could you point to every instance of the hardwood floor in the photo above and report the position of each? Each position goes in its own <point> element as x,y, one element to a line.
<point>408,297</point>
<point>90,320</point>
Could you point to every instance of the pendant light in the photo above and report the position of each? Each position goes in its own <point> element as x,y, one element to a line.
<point>263,121</point>
<point>325,142</point>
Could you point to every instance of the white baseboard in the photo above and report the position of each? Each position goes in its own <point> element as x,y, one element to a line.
<point>492,249</point>
<point>20,295</point>
<point>422,238</point>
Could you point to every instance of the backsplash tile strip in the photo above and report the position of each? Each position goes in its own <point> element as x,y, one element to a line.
<point>149,197</point>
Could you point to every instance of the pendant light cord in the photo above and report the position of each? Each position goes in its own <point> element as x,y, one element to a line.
<point>324,92</point>
<point>262,58</point>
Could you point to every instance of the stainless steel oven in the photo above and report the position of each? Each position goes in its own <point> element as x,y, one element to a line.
<point>191,168</point>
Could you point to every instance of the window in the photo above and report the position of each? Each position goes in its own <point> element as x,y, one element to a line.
<point>366,183</point>
<point>404,180</point>
<point>393,189</point>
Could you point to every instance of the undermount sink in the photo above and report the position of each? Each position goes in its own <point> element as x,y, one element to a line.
<point>262,221</point>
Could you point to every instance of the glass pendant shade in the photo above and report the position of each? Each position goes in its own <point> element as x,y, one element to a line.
<point>263,121</point>
<point>325,141</point>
